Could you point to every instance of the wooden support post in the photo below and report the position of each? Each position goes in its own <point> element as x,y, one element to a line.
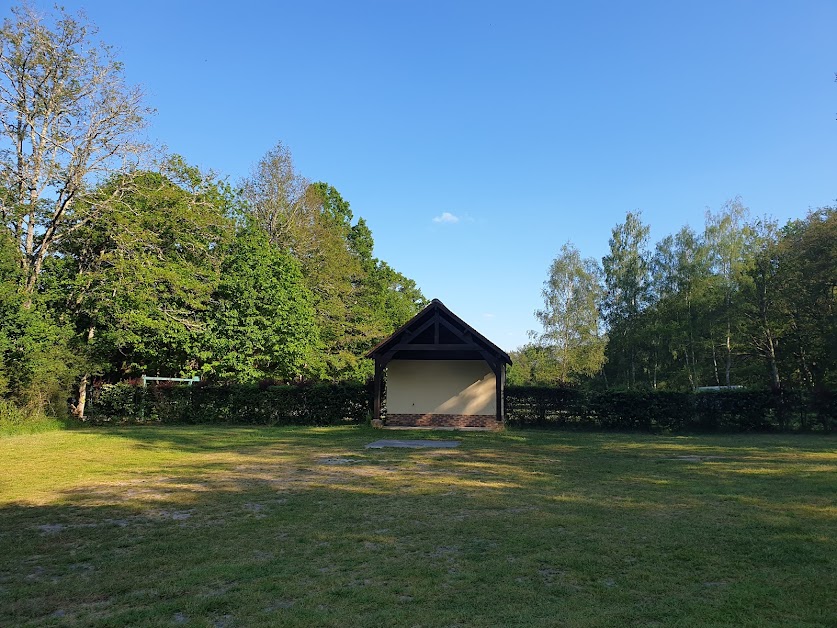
<point>379,376</point>
<point>500,380</point>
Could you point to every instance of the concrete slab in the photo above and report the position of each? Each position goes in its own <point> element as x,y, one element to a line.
<point>414,444</point>
<point>439,428</point>
<point>694,458</point>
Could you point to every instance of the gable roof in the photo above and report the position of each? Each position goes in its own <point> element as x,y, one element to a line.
<point>422,335</point>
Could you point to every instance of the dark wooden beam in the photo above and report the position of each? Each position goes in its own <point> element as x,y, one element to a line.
<point>500,377</point>
<point>378,389</point>
<point>437,347</point>
<point>386,357</point>
<point>490,358</point>
<point>431,321</point>
<point>407,334</point>
<point>456,332</point>
<point>437,315</point>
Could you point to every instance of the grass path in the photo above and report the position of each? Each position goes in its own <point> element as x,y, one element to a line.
<point>208,526</point>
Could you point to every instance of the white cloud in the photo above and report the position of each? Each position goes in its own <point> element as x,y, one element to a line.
<point>446,217</point>
<point>488,315</point>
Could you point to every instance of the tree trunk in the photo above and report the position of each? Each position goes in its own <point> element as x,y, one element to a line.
<point>690,371</point>
<point>690,349</point>
<point>78,409</point>
<point>715,362</point>
<point>770,342</point>
<point>729,354</point>
<point>656,365</point>
<point>775,382</point>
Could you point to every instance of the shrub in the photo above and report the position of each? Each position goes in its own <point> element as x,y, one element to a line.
<point>21,420</point>
<point>257,404</point>
<point>718,411</point>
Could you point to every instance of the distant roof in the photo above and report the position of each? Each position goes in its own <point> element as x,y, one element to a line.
<point>466,338</point>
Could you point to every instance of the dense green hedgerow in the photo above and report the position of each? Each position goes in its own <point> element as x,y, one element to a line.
<point>319,404</point>
<point>726,411</point>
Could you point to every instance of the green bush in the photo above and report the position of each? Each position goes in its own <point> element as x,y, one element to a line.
<point>652,411</point>
<point>117,402</point>
<point>21,420</point>
<point>319,404</point>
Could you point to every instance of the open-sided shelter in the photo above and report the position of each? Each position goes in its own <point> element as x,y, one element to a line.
<point>440,372</point>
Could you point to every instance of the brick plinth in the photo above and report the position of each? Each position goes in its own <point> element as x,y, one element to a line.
<point>443,420</point>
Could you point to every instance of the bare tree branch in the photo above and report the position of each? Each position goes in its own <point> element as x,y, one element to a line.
<point>68,120</point>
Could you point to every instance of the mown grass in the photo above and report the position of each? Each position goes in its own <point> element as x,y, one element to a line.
<point>208,526</point>
<point>15,420</point>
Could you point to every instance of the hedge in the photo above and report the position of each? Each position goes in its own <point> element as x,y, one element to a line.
<point>320,404</point>
<point>526,406</point>
<point>659,411</point>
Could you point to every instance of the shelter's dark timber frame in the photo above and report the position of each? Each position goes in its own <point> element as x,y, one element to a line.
<point>436,333</point>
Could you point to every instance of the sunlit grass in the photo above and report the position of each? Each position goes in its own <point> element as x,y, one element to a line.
<point>304,526</point>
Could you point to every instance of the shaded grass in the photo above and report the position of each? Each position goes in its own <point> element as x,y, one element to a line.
<point>303,526</point>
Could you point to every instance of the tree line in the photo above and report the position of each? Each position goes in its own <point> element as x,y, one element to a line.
<point>117,261</point>
<point>744,302</point>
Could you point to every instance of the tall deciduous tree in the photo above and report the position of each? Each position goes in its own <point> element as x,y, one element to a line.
<point>312,226</point>
<point>262,321</point>
<point>765,318</point>
<point>808,260</point>
<point>627,293</point>
<point>533,363</point>
<point>36,365</point>
<point>138,281</point>
<point>357,298</point>
<point>570,316</point>
<point>11,310</point>
<point>729,237</point>
<point>680,271</point>
<point>68,119</point>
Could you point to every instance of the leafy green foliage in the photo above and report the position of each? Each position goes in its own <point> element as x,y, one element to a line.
<point>358,299</point>
<point>36,366</point>
<point>11,307</point>
<point>666,411</point>
<point>807,302</point>
<point>532,364</point>
<point>570,317</point>
<point>377,299</point>
<point>742,303</point>
<point>262,320</point>
<point>626,295</point>
<point>316,404</point>
<point>15,419</point>
<point>676,323</point>
<point>139,281</point>
<point>108,270</point>
<point>69,120</point>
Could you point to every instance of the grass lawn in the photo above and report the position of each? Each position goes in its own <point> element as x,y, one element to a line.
<point>208,526</point>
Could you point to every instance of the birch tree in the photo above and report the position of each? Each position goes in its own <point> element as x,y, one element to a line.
<point>680,272</point>
<point>627,291</point>
<point>570,316</point>
<point>729,237</point>
<point>68,120</point>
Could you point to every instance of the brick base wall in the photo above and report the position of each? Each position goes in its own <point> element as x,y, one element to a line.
<point>443,420</point>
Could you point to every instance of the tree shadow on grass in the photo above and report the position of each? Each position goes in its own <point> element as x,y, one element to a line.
<point>212,438</point>
<point>306,527</point>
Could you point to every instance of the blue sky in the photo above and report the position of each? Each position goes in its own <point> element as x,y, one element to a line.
<point>530,123</point>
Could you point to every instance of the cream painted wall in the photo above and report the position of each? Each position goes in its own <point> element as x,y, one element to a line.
<point>440,387</point>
